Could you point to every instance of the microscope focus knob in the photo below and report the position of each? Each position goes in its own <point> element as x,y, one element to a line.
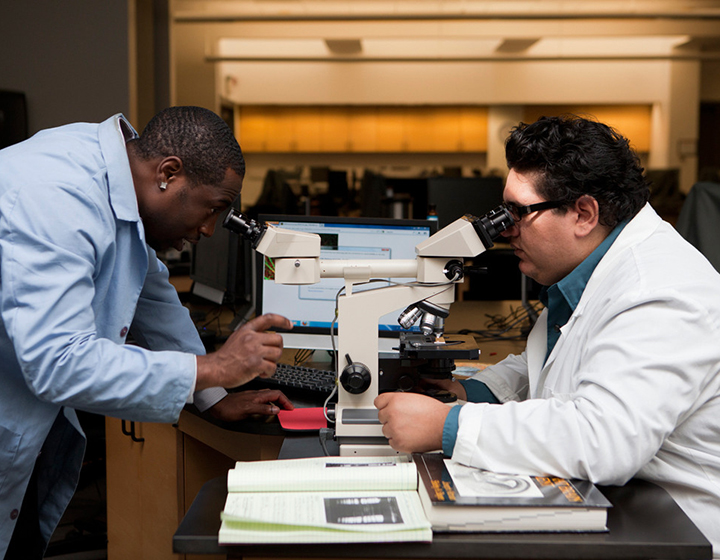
<point>355,378</point>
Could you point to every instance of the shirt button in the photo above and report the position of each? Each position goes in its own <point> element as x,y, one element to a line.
<point>557,328</point>
<point>14,514</point>
<point>123,331</point>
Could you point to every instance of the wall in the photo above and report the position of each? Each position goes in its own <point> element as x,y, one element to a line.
<point>484,83</point>
<point>710,82</point>
<point>70,58</point>
<point>672,88</point>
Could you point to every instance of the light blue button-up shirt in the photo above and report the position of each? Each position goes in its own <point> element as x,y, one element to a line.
<point>75,278</point>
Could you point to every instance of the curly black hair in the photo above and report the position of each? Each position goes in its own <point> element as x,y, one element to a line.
<point>199,137</point>
<point>572,156</point>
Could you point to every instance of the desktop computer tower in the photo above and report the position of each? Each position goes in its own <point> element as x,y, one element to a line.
<point>13,118</point>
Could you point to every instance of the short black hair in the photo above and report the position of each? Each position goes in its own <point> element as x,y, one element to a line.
<point>573,156</point>
<point>199,137</point>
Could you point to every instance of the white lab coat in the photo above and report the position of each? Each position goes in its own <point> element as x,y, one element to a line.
<point>632,387</point>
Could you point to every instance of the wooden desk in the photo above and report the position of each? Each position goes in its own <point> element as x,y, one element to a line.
<point>644,522</point>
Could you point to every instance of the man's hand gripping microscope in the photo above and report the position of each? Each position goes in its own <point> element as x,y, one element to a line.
<point>435,271</point>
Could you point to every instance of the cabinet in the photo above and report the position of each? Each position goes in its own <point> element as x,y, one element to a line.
<point>390,129</point>
<point>385,129</point>
<point>151,483</point>
<point>142,490</point>
<point>632,121</point>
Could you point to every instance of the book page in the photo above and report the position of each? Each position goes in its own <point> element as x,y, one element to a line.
<point>324,517</point>
<point>323,474</point>
<point>473,482</point>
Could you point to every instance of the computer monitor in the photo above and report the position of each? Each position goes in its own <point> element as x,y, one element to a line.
<point>415,189</point>
<point>221,269</point>
<point>501,279</point>
<point>311,308</point>
<point>454,197</point>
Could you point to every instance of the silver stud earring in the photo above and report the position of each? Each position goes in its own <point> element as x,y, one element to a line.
<point>163,186</point>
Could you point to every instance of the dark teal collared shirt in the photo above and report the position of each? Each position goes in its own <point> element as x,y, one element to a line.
<point>561,299</point>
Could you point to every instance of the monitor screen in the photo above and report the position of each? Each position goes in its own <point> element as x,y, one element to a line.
<point>311,308</point>
<point>221,267</point>
<point>453,197</point>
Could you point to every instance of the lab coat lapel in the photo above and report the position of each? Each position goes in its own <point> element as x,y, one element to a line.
<point>535,350</point>
<point>544,382</point>
<point>639,229</point>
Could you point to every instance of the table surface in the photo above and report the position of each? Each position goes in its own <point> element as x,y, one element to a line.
<point>644,522</point>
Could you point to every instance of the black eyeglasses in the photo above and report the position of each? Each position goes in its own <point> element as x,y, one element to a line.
<point>517,212</point>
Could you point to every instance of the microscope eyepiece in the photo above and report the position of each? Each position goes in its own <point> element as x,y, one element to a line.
<point>491,225</point>
<point>243,225</point>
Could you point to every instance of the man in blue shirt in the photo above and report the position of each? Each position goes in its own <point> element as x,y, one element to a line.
<point>83,210</point>
<point>620,377</point>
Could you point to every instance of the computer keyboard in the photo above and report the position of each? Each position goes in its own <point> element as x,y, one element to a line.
<point>297,380</point>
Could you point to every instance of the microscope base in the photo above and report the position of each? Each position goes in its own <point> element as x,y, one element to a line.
<point>367,450</point>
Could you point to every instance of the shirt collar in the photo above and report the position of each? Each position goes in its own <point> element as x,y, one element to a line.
<point>113,134</point>
<point>573,285</point>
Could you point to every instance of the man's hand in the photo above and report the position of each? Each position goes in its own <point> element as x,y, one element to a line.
<point>446,385</point>
<point>248,353</point>
<point>411,422</point>
<point>238,406</point>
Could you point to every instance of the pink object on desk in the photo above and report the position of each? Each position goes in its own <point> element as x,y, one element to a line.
<point>303,419</point>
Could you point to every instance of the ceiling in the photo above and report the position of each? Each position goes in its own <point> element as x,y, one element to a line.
<point>463,30</point>
<point>437,9</point>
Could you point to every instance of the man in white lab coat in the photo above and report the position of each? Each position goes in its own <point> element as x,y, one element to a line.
<point>621,374</point>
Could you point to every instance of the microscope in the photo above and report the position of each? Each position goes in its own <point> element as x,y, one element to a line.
<point>426,299</point>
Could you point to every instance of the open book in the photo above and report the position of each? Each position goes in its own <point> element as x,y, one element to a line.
<point>325,499</point>
<point>465,499</point>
